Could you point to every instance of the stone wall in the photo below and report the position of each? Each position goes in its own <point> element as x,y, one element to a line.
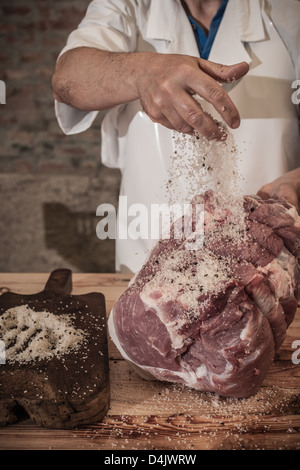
<point>50,184</point>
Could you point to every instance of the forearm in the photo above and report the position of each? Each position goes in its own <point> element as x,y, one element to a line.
<point>91,79</point>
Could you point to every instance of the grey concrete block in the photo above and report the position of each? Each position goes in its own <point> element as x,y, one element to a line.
<point>49,221</point>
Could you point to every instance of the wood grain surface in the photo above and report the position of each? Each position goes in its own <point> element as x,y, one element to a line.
<point>149,415</point>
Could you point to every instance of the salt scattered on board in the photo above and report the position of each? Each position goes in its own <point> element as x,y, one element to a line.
<point>29,335</point>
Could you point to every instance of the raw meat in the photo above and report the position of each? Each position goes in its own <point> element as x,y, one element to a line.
<point>212,318</point>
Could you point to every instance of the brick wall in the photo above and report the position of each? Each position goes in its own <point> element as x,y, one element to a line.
<point>40,167</point>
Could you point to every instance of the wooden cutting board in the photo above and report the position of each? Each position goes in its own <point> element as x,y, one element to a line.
<point>57,369</point>
<point>155,415</point>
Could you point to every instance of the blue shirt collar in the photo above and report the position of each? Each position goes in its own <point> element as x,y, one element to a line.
<point>204,42</point>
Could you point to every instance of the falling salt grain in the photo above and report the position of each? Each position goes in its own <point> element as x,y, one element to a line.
<point>199,165</point>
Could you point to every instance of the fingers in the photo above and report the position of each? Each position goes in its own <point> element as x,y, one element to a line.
<point>169,118</point>
<point>168,96</point>
<point>165,122</point>
<point>288,193</point>
<point>185,115</point>
<point>191,113</point>
<point>224,73</point>
<point>173,121</point>
<point>280,191</point>
<point>263,194</point>
<point>177,120</point>
<point>209,89</point>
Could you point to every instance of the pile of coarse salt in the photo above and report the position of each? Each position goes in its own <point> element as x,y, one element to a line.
<point>29,335</point>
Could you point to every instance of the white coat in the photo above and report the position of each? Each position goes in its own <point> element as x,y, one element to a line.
<point>264,34</point>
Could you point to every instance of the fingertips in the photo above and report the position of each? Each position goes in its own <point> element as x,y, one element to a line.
<point>263,194</point>
<point>224,73</point>
<point>236,71</point>
<point>210,128</point>
<point>177,122</point>
<point>284,192</point>
<point>288,193</point>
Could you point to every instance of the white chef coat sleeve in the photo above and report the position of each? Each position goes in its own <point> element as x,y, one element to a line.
<point>108,25</point>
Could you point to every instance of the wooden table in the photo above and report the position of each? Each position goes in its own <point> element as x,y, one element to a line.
<point>155,415</point>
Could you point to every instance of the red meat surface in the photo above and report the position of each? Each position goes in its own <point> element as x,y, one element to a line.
<point>212,318</point>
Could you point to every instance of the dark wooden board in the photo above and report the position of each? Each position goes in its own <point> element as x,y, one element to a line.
<point>61,391</point>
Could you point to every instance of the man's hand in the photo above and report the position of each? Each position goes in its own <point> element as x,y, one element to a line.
<point>285,187</point>
<point>91,79</point>
<point>167,82</point>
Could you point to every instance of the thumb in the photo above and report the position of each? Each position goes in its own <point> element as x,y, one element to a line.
<point>283,191</point>
<point>288,193</point>
<point>224,73</point>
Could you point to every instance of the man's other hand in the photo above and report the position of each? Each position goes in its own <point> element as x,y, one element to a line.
<point>285,187</point>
